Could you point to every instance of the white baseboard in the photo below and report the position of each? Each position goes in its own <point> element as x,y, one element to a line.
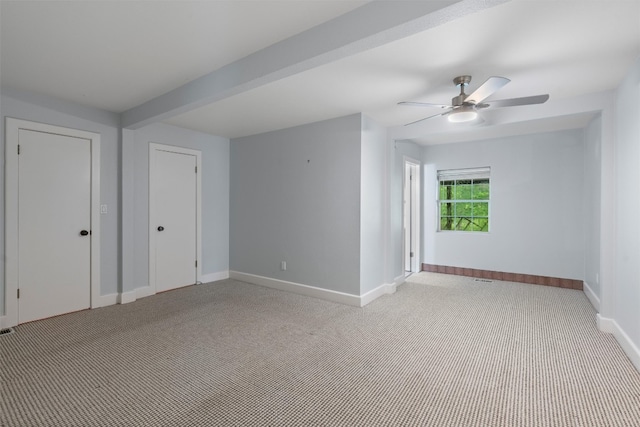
<point>400,280</point>
<point>605,324</point>
<point>591,296</point>
<point>628,346</point>
<point>4,323</point>
<point>387,288</point>
<point>146,291</point>
<point>214,277</point>
<point>127,297</point>
<point>106,300</point>
<point>297,288</point>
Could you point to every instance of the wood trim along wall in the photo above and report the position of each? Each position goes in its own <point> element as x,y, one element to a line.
<point>508,277</point>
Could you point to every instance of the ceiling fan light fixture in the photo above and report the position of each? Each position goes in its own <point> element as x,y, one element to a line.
<point>463,108</point>
<point>463,114</point>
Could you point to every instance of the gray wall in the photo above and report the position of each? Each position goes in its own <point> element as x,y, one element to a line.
<point>374,209</point>
<point>295,197</point>
<point>215,195</point>
<point>536,219</point>
<point>591,210</point>
<point>26,106</point>
<point>215,182</point>
<point>627,206</point>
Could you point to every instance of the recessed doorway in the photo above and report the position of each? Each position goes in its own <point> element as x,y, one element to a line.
<point>411,216</point>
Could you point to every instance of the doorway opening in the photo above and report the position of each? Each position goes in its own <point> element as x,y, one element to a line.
<point>411,216</point>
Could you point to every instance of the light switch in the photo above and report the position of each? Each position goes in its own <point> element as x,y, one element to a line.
<point>103,209</point>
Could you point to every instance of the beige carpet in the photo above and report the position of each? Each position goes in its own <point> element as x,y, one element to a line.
<point>442,351</point>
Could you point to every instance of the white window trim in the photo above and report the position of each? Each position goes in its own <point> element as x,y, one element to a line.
<point>459,174</point>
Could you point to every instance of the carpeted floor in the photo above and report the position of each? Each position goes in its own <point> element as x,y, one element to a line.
<point>441,351</point>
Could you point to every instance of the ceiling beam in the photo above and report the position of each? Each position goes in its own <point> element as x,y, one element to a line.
<point>372,25</point>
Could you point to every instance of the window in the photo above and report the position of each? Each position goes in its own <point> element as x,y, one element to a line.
<point>463,199</point>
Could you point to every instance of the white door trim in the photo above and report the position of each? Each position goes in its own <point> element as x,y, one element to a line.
<point>153,146</point>
<point>12,127</point>
<point>415,213</point>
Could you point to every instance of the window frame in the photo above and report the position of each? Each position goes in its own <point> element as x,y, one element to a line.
<point>481,173</point>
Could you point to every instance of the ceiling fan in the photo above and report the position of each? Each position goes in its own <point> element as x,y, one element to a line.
<point>464,108</point>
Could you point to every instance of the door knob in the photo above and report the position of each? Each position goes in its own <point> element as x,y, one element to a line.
<point>161,228</point>
<point>84,233</point>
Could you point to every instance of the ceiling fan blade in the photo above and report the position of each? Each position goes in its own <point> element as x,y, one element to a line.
<point>423,104</point>
<point>487,89</point>
<point>514,102</point>
<point>430,117</point>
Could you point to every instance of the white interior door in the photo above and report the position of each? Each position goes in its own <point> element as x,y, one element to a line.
<point>173,219</point>
<point>54,207</point>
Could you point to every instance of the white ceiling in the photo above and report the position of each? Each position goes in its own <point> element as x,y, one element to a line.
<point>117,55</point>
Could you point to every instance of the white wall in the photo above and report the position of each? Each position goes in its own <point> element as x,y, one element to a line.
<point>591,210</point>
<point>373,205</point>
<point>626,291</point>
<point>295,197</point>
<point>215,196</point>
<point>27,106</point>
<point>536,218</point>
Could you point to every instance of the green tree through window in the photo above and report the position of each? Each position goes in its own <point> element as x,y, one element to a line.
<point>463,199</point>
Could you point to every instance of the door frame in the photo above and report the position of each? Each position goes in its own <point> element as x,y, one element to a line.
<point>12,128</point>
<point>153,146</point>
<point>415,201</point>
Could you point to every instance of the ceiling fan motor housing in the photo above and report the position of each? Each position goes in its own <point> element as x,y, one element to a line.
<point>457,101</point>
<point>461,81</point>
